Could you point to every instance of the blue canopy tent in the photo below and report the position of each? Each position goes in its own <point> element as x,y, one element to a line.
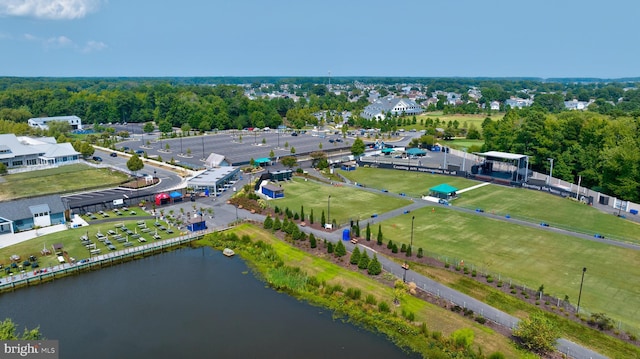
<point>175,196</point>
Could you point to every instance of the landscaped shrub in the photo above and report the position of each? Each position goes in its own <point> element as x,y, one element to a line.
<point>403,248</point>
<point>489,279</point>
<point>374,267</point>
<point>499,284</point>
<point>394,249</point>
<point>390,244</point>
<point>353,293</point>
<point>363,263</point>
<point>370,299</point>
<point>481,319</point>
<point>329,247</point>
<point>312,241</point>
<point>420,254</point>
<point>384,307</point>
<point>446,265</point>
<point>601,321</point>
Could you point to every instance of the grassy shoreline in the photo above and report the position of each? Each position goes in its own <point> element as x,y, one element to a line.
<point>323,283</point>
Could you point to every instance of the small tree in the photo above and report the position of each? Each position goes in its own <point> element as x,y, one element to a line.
<point>293,150</point>
<point>272,154</point>
<point>368,233</point>
<point>311,216</point>
<point>264,141</point>
<point>403,248</point>
<point>289,161</point>
<point>420,253</point>
<point>408,252</point>
<point>340,251</point>
<point>329,247</point>
<point>390,244</point>
<point>357,231</point>
<point>268,223</point>
<point>374,267</point>
<point>355,256</point>
<point>379,234</point>
<point>312,241</point>
<point>323,219</point>
<point>277,225</point>
<point>135,164</point>
<point>394,249</point>
<point>302,213</point>
<point>537,333</point>
<point>363,263</point>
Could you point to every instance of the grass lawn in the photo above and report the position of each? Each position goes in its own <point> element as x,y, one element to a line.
<point>462,143</point>
<point>476,119</point>
<point>437,319</point>
<point>543,207</point>
<point>571,330</point>
<point>530,256</point>
<point>346,203</point>
<point>414,184</point>
<point>63,179</point>
<point>70,240</point>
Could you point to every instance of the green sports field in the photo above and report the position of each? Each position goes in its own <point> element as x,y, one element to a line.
<point>413,184</point>
<point>556,211</point>
<point>346,203</point>
<point>529,256</point>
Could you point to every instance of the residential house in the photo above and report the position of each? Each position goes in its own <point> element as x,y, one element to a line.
<point>514,102</point>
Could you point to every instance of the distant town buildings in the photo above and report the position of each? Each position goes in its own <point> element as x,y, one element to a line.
<point>515,102</point>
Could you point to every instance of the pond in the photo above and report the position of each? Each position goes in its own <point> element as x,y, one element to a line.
<point>187,303</point>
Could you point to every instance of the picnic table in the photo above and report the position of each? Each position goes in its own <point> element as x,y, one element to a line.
<point>127,244</point>
<point>141,239</point>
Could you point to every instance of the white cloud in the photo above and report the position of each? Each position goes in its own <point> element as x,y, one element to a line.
<point>62,41</point>
<point>59,41</point>
<point>91,46</point>
<point>49,9</point>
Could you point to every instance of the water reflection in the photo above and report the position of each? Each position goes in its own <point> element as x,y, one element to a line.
<point>192,303</point>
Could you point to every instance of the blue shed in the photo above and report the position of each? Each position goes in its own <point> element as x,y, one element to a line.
<point>272,191</point>
<point>197,224</point>
<point>346,234</point>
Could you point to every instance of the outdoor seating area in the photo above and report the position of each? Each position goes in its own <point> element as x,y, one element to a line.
<point>117,212</point>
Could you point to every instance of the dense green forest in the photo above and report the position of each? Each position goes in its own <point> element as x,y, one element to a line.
<point>599,145</point>
<point>604,151</point>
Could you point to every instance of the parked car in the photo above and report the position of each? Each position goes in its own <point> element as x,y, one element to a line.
<point>294,133</point>
<point>139,152</point>
<point>338,140</point>
<point>331,140</point>
<point>97,158</point>
<point>113,154</point>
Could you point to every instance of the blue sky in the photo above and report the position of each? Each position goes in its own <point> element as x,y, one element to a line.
<point>425,38</point>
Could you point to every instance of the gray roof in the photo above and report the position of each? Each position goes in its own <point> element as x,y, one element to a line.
<point>43,146</point>
<point>39,208</point>
<point>21,208</point>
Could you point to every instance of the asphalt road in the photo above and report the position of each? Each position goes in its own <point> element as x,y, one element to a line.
<point>168,180</point>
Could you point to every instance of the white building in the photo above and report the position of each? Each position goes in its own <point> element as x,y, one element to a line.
<point>27,151</point>
<point>396,106</point>
<point>41,122</point>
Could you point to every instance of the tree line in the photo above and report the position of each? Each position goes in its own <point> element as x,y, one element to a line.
<point>601,150</point>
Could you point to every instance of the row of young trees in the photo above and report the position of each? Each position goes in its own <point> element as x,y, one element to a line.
<point>601,150</point>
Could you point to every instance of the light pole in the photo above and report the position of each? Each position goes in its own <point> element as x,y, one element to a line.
<point>154,174</point>
<point>203,158</point>
<point>278,132</point>
<point>329,209</point>
<point>584,269</point>
<point>181,143</point>
<point>405,266</point>
<point>550,170</point>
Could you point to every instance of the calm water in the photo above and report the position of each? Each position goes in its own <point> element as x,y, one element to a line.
<point>190,303</point>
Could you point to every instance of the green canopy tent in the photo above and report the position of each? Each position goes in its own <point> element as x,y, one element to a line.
<point>443,191</point>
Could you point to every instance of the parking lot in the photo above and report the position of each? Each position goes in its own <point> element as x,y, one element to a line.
<point>238,147</point>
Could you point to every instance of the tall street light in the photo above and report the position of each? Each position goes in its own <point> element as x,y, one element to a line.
<point>584,269</point>
<point>405,266</point>
<point>550,171</point>
<point>329,209</point>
